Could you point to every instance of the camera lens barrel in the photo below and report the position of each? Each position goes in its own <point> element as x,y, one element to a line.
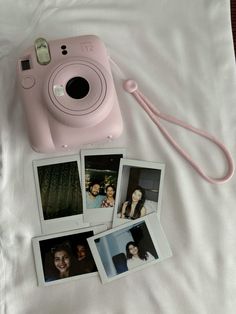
<point>77,87</point>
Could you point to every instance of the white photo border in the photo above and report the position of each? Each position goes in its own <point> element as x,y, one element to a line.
<point>137,164</point>
<point>63,223</point>
<point>158,238</point>
<point>98,215</point>
<point>38,256</point>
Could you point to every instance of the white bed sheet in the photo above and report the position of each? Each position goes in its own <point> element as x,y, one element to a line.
<point>181,54</point>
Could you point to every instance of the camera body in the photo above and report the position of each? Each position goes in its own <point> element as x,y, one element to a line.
<point>68,93</point>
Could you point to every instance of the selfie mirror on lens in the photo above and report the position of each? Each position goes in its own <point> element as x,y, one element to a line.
<point>68,93</point>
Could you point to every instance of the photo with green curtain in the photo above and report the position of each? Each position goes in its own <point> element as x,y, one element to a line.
<point>60,190</point>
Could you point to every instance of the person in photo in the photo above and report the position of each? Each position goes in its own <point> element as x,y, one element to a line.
<point>134,207</point>
<point>93,198</point>
<point>136,256</point>
<point>85,261</point>
<point>109,200</point>
<point>62,262</point>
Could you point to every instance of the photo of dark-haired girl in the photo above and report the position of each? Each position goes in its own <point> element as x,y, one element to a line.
<point>109,200</point>
<point>139,190</point>
<point>129,247</point>
<point>63,265</point>
<point>64,256</point>
<point>136,256</point>
<point>134,207</point>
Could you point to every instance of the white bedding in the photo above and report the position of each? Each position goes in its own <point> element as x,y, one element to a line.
<point>181,54</point>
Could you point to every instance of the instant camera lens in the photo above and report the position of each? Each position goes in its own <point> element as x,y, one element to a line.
<point>77,87</point>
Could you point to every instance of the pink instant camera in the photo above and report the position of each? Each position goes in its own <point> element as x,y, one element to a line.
<point>68,93</point>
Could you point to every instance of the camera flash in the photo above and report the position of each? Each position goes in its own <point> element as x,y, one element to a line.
<point>42,51</point>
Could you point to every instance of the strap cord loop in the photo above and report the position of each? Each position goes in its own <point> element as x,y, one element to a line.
<point>131,87</point>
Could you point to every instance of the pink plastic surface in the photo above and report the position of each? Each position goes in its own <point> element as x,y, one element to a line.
<point>57,121</point>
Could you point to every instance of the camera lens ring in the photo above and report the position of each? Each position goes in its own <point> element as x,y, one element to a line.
<point>79,112</point>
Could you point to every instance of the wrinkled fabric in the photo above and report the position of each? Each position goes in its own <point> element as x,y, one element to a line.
<point>181,54</point>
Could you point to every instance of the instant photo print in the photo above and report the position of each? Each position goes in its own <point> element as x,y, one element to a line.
<point>59,194</point>
<point>65,256</point>
<point>129,248</point>
<point>139,190</point>
<point>100,170</point>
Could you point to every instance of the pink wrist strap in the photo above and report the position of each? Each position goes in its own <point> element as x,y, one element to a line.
<point>131,87</point>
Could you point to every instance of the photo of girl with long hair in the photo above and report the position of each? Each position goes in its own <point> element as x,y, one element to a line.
<point>134,207</point>
<point>139,190</point>
<point>62,264</point>
<point>137,256</point>
<point>129,247</point>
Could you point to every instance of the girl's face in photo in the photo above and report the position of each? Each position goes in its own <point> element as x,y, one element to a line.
<point>110,192</point>
<point>62,261</point>
<point>133,250</point>
<point>136,196</point>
